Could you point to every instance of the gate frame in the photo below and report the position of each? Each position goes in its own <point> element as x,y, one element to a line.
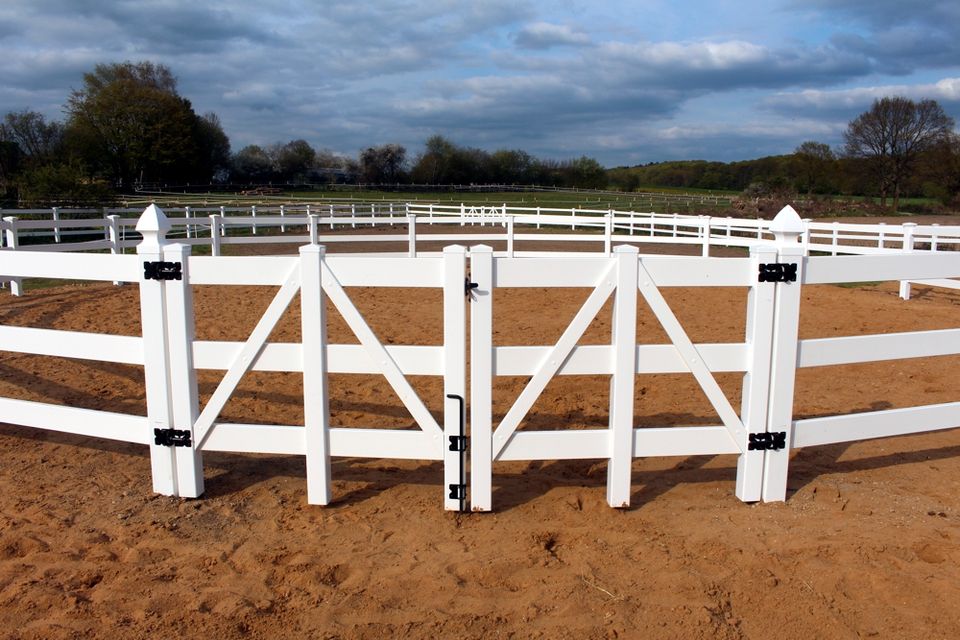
<point>172,400</point>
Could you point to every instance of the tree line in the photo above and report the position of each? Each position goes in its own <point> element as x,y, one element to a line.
<point>127,127</point>
<point>898,148</point>
<point>441,162</point>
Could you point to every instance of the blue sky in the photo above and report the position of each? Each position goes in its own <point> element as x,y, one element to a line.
<point>624,82</point>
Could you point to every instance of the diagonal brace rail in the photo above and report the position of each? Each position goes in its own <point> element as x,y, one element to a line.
<point>379,355</point>
<point>553,360</point>
<point>691,356</point>
<point>247,356</point>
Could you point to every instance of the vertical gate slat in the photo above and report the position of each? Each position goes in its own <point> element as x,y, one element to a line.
<point>624,352</point>
<point>454,363</point>
<point>316,404</point>
<point>481,378</point>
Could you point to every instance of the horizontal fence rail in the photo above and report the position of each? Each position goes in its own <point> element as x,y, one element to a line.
<point>784,256</point>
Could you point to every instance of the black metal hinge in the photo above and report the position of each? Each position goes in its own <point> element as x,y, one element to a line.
<point>458,443</point>
<point>777,272</point>
<point>172,438</point>
<point>469,286</point>
<point>771,441</point>
<point>458,491</point>
<point>160,270</point>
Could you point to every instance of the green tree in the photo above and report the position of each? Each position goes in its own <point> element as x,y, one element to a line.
<point>130,125</point>
<point>213,157</point>
<point>814,164</point>
<point>384,164</point>
<point>295,160</point>
<point>251,164</point>
<point>891,135</point>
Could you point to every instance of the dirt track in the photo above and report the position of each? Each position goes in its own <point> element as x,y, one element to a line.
<point>867,544</point>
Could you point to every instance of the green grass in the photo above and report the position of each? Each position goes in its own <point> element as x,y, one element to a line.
<point>661,201</point>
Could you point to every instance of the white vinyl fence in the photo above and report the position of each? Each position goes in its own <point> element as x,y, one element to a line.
<point>762,432</point>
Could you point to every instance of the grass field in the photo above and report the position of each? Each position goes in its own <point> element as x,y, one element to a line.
<point>660,201</point>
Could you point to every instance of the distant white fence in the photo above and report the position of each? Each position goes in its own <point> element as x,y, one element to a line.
<point>761,433</point>
<point>114,229</point>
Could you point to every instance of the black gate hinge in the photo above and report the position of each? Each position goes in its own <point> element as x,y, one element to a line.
<point>458,491</point>
<point>777,272</point>
<point>160,270</point>
<point>458,443</point>
<point>770,441</point>
<point>172,438</point>
<point>469,286</point>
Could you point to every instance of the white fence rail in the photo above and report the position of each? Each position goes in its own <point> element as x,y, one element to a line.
<point>761,432</point>
<point>50,230</point>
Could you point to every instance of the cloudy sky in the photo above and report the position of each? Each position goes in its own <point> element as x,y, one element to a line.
<point>624,82</point>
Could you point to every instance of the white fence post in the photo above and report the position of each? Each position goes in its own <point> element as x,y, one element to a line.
<point>314,225</point>
<point>153,226</point>
<point>510,236</point>
<point>216,221</point>
<point>283,227</point>
<point>624,344</point>
<point>608,234</point>
<point>316,403</point>
<point>908,230</point>
<point>253,223</point>
<point>787,228</point>
<point>756,381</point>
<point>186,220</point>
<point>115,246</point>
<point>412,235</point>
<point>56,225</point>
<point>454,368</point>
<point>184,403</point>
<point>481,378</point>
<point>705,230</point>
<point>13,241</point>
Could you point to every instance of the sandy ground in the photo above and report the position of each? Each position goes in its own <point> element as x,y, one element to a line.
<point>867,544</point>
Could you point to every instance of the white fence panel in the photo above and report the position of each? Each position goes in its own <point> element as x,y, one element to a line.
<point>768,356</point>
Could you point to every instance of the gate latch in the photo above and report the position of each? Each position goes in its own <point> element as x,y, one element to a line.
<point>469,286</point>
<point>172,438</point>
<point>777,272</point>
<point>770,441</point>
<point>160,270</point>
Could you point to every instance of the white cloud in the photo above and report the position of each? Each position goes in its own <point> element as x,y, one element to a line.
<point>946,90</point>
<point>544,35</point>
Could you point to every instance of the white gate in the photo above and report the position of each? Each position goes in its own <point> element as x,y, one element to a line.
<point>623,275</point>
<point>183,431</point>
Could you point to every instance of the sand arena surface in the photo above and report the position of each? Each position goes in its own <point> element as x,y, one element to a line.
<point>867,544</point>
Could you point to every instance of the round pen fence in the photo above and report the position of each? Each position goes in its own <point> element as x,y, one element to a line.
<point>459,428</point>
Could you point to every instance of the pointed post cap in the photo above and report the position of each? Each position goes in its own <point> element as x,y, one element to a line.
<point>787,227</point>
<point>153,225</point>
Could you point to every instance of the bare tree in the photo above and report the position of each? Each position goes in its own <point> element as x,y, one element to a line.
<point>36,137</point>
<point>892,134</point>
